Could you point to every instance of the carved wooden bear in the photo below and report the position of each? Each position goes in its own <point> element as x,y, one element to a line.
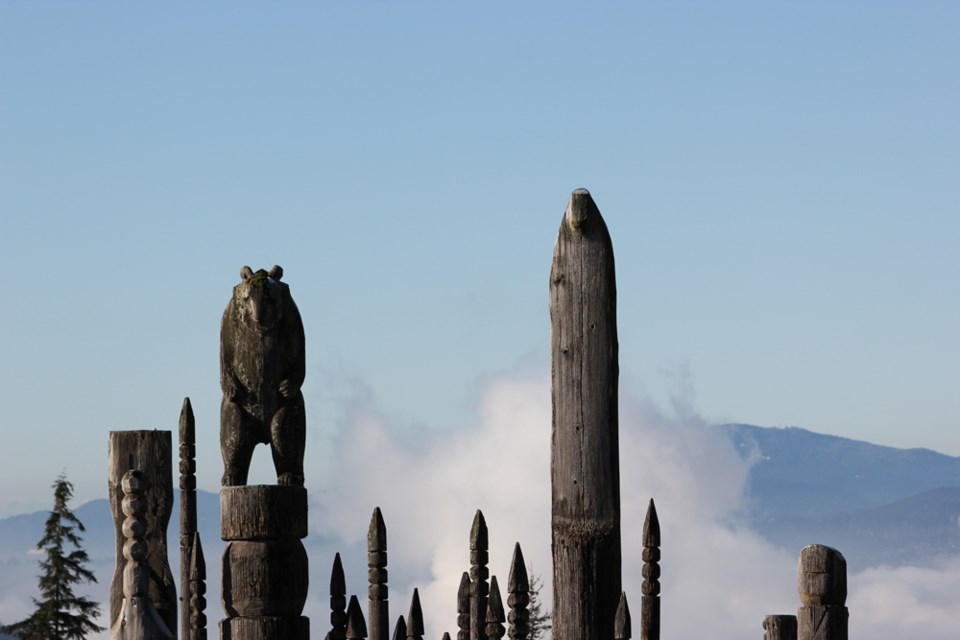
<point>261,371</point>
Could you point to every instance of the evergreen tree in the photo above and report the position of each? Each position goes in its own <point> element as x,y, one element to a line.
<point>539,616</point>
<point>60,614</point>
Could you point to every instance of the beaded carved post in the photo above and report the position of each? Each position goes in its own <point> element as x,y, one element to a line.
<point>585,458</point>
<point>479,589</point>
<point>822,585</point>
<point>518,588</point>
<point>138,619</point>
<point>188,510</point>
<point>356,625</point>
<point>151,453</point>
<point>198,589</point>
<point>265,578</point>
<point>650,602</point>
<point>378,605</point>
<point>338,601</point>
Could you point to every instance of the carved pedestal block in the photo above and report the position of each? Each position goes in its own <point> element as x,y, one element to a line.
<point>265,576</point>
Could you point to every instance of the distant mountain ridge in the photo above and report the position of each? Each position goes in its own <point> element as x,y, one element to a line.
<point>878,505</point>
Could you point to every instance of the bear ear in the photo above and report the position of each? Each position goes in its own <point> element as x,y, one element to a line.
<point>276,273</point>
<point>245,273</point>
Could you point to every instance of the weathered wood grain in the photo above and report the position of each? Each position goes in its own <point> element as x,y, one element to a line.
<point>479,588</point>
<point>188,510</point>
<point>495,615</point>
<point>263,512</point>
<point>265,628</point>
<point>780,627</point>
<point>650,600</point>
<point>622,625</point>
<point>151,453</point>
<point>822,586</point>
<point>585,471</point>
<point>518,588</point>
<point>264,578</point>
<point>415,628</point>
<point>338,601</point>
<point>463,607</point>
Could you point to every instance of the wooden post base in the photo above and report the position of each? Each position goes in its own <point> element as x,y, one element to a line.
<point>266,628</point>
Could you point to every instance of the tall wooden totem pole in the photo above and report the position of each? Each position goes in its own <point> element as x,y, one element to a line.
<point>264,583</point>
<point>585,459</point>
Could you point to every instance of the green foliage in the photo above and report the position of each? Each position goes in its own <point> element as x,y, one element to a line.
<point>540,616</point>
<point>60,614</point>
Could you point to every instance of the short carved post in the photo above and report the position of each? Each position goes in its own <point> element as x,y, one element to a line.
<point>138,618</point>
<point>495,615</point>
<point>622,627</point>
<point>518,588</point>
<point>463,607</point>
<point>415,629</point>
<point>479,589</point>
<point>378,605</point>
<point>356,625</point>
<point>151,453</point>
<point>338,601</point>
<point>585,459</point>
<point>780,627</point>
<point>822,585</point>
<point>188,511</point>
<point>650,601</point>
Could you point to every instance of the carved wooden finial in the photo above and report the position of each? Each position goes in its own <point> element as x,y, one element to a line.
<point>463,607</point>
<point>518,587</point>
<point>198,589</point>
<point>479,589</point>
<point>415,618</point>
<point>400,631</point>
<point>446,635</point>
<point>378,606</point>
<point>495,616</point>
<point>650,601</point>
<point>356,625</point>
<point>338,600</point>
<point>621,623</point>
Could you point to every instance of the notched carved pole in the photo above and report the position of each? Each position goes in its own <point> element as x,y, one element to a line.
<point>188,510</point>
<point>198,589</point>
<point>378,604</point>
<point>463,607</point>
<point>822,585</point>
<point>479,589</point>
<point>356,625</point>
<point>338,600</point>
<point>650,602</point>
<point>518,588</point>
<point>585,468</point>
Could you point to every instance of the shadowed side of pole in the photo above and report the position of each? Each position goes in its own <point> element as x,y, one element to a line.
<point>585,471</point>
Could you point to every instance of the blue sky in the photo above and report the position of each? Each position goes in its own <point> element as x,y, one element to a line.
<point>780,182</point>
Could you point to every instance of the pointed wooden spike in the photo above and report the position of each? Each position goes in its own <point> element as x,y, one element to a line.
<point>377,533</point>
<point>463,594</point>
<point>621,623</point>
<point>338,583</point>
<point>187,423</point>
<point>198,566</point>
<point>495,611</point>
<point>518,581</point>
<point>400,631</point>
<point>356,625</point>
<point>446,635</point>
<point>478,532</point>
<point>651,527</point>
<point>415,619</point>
